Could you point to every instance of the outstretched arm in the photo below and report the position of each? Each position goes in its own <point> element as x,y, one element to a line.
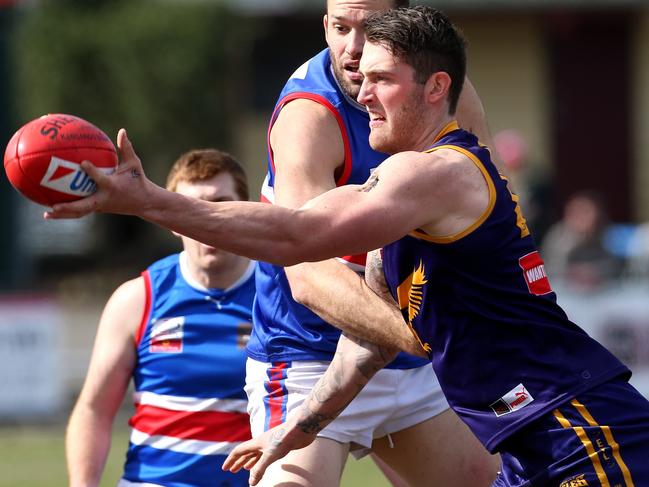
<point>353,365</point>
<point>347,220</point>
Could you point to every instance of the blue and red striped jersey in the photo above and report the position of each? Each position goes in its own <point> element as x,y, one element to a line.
<point>189,378</point>
<point>285,330</point>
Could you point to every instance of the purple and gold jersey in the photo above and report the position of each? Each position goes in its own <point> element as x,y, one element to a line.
<point>189,378</point>
<point>285,330</point>
<point>481,304</point>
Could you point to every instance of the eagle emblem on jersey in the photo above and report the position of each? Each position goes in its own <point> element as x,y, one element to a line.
<point>411,296</point>
<point>416,293</point>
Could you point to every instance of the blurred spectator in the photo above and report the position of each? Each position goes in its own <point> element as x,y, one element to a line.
<point>574,249</point>
<point>638,252</point>
<point>528,181</point>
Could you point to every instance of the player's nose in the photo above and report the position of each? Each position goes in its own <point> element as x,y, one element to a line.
<point>355,43</point>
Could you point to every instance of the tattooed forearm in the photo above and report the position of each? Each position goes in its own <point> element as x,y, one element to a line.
<point>374,276</point>
<point>371,183</point>
<point>370,357</point>
<point>353,365</point>
<point>277,437</point>
<point>313,422</point>
<point>330,383</point>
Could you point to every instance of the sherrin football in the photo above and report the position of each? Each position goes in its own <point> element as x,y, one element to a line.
<point>42,158</point>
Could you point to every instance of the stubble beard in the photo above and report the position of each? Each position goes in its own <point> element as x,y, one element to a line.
<point>398,135</point>
<point>350,88</point>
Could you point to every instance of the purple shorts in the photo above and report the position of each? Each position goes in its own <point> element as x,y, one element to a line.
<point>600,438</point>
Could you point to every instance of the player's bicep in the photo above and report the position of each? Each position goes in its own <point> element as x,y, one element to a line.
<point>355,218</point>
<point>400,196</point>
<point>114,354</point>
<point>307,148</point>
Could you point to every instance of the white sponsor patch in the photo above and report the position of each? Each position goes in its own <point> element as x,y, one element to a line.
<point>514,400</point>
<point>67,177</point>
<point>167,335</point>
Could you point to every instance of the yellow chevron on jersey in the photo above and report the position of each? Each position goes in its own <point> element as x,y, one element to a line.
<point>410,296</point>
<point>520,219</point>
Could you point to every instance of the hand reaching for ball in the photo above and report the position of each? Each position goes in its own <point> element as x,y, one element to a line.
<point>123,192</point>
<point>42,159</point>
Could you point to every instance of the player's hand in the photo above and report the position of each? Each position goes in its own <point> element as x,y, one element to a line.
<point>257,454</point>
<point>123,192</point>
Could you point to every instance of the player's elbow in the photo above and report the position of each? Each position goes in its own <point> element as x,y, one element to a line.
<point>300,284</point>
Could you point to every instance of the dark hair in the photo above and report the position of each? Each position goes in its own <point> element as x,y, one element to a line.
<point>395,4</point>
<point>202,164</point>
<point>424,38</point>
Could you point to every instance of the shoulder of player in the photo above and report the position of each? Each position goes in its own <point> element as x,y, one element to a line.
<point>442,177</point>
<point>302,115</point>
<point>126,305</point>
<point>442,165</point>
<point>306,134</point>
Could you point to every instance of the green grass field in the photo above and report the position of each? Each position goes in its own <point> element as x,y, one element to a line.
<point>34,456</point>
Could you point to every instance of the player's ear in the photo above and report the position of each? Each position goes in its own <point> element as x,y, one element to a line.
<point>437,87</point>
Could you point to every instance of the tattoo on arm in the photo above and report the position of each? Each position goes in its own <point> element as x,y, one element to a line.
<point>371,358</point>
<point>371,183</point>
<point>315,422</point>
<point>375,278</point>
<point>277,437</point>
<point>351,368</point>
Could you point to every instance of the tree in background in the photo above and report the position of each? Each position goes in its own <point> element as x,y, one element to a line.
<point>168,71</point>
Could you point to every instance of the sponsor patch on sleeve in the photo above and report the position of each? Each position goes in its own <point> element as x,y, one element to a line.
<point>514,400</point>
<point>534,273</point>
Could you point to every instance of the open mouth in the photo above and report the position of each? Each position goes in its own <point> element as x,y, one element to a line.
<point>376,122</point>
<point>352,72</point>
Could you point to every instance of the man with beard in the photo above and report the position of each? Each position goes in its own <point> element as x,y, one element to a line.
<point>458,260</point>
<point>318,139</point>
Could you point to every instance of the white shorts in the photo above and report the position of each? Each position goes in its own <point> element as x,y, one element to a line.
<point>127,483</point>
<point>393,400</point>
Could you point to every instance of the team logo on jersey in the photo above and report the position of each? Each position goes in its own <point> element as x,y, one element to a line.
<point>578,481</point>
<point>411,296</point>
<point>416,293</point>
<point>167,335</point>
<point>244,329</point>
<point>514,400</point>
<point>67,177</point>
<point>534,273</point>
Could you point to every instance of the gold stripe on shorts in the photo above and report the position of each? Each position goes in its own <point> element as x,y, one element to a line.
<point>615,448</point>
<point>583,437</point>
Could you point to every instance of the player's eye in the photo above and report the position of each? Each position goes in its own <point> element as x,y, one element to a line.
<point>341,29</point>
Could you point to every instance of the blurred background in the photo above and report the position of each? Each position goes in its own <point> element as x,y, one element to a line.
<point>564,84</point>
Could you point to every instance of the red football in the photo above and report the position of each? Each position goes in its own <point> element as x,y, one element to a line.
<point>42,158</point>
